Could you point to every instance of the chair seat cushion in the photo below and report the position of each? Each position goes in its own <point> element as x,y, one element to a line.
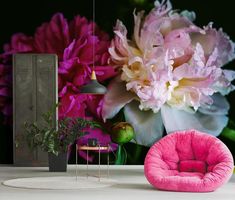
<point>188,161</point>
<point>192,166</point>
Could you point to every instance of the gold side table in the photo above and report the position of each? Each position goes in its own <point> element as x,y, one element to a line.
<point>88,148</point>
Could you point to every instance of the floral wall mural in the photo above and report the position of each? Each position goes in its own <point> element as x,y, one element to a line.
<point>166,68</point>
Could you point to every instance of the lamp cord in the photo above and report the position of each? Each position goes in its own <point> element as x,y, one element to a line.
<point>93,31</point>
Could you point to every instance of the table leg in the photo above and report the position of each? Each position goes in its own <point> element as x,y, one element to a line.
<point>108,162</point>
<point>99,162</point>
<point>76,162</point>
<point>87,163</point>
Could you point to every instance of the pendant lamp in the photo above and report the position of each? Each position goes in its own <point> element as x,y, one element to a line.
<point>93,87</point>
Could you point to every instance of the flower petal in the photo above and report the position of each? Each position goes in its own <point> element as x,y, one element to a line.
<point>190,15</point>
<point>220,106</point>
<point>138,20</point>
<point>116,98</point>
<point>148,126</point>
<point>229,74</point>
<point>176,120</point>
<point>52,37</point>
<point>119,48</point>
<point>19,43</point>
<point>215,39</point>
<point>105,72</point>
<point>72,105</point>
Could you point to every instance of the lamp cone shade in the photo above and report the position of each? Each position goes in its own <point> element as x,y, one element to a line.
<point>93,87</point>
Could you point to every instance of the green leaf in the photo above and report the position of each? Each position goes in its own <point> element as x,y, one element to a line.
<point>51,139</point>
<point>121,155</point>
<point>229,134</point>
<point>140,2</point>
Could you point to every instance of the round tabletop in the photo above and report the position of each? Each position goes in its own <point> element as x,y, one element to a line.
<point>95,148</point>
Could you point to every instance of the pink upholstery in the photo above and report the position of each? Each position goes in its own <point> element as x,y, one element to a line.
<point>188,161</point>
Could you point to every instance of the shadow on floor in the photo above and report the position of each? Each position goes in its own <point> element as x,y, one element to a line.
<point>137,186</point>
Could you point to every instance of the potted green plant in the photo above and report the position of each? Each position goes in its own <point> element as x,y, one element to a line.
<point>56,139</point>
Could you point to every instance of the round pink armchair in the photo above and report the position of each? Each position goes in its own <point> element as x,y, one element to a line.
<point>188,161</point>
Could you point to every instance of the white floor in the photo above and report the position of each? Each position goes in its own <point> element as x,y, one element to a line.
<point>131,184</point>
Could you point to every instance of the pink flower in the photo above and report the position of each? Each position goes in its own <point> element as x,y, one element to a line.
<point>5,90</point>
<point>19,43</point>
<point>171,74</point>
<point>172,61</point>
<point>72,105</point>
<point>73,42</point>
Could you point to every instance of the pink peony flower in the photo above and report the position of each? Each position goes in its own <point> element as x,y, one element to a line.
<point>72,41</point>
<point>171,60</point>
<point>19,43</point>
<point>5,90</point>
<point>171,69</point>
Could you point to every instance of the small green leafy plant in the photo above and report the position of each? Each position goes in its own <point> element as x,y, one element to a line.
<point>53,138</point>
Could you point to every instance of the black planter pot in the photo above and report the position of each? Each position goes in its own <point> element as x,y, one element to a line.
<point>57,163</point>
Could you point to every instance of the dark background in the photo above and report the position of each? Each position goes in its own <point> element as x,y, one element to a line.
<point>24,16</point>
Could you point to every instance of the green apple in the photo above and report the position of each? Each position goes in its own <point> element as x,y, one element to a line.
<point>122,132</point>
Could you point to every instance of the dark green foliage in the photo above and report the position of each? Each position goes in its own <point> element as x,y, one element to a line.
<point>121,155</point>
<point>229,131</point>
<point>52,139</point>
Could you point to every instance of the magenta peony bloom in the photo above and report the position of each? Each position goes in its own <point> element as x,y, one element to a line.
<point>73,43</point>
<point>19,43</point>
<point>5,90</point>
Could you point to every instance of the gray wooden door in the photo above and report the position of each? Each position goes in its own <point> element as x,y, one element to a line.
<point>34,93</point>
